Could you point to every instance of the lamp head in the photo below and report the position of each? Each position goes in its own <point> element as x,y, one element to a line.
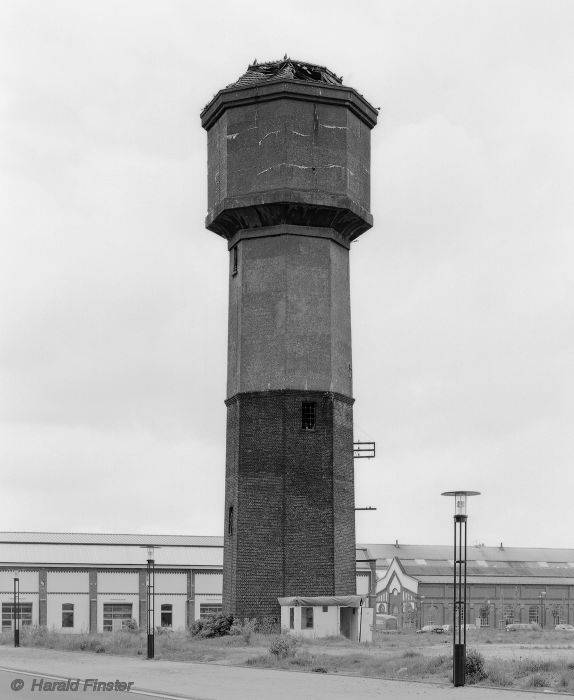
<point>460,498</point>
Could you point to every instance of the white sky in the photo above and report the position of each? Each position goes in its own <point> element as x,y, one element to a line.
<point>113,296</point>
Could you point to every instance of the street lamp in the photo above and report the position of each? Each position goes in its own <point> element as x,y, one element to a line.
<point>16,609</point>
<point>459,585</point>
<point>542,611</point>
<point>150,590</point>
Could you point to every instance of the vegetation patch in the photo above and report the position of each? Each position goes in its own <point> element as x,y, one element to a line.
<point>411,657</point>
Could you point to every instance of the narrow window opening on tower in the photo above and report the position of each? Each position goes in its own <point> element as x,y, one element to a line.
<point>308,415</point>
<point>235,260</point>
<point>230,521</point>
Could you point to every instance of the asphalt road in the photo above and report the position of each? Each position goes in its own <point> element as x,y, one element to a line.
<point>169,680</point>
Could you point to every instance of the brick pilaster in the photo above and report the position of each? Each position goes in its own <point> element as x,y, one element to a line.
<point>42,597</point>
<point>93,595</point>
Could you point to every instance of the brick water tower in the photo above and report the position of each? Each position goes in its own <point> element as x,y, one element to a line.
<point>288,189</point>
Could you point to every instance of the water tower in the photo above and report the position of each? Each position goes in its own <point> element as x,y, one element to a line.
<point>289,190</point>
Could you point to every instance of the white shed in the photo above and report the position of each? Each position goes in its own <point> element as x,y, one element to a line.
<point>327,616</point>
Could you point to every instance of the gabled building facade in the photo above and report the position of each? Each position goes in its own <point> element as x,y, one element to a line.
<point>505,585</point>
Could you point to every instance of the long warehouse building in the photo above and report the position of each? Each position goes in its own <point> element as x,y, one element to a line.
<point>77,582</point>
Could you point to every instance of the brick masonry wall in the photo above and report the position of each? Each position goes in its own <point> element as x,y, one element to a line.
<point>293,501</point>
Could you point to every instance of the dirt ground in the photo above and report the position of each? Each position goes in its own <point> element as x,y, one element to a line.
<point>491,644</point>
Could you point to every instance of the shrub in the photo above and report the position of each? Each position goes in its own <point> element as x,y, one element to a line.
<point>268,625</point>
<point>213,626</point>
<point>283,647</point>
<point>244,629</point>
<point>474,666</point>
<point>130,625</point>
<point>537,681</point>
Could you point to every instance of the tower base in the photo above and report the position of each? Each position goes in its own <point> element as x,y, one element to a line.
<point>289,504</point>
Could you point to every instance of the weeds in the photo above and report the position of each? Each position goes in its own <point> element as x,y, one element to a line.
<point>284,647</point>
<point>537,681</point>
<point>474,666</point>
<point>246,643</point>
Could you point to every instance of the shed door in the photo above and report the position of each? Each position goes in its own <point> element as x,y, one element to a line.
<point>346,621</point>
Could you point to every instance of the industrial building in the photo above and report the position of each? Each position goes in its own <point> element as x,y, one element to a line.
<point>95,582</point>
<point>505,584</point>
<point>79,582</point>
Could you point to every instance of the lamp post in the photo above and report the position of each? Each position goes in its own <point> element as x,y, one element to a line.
<point>16,609</point>
<point>422,612</point>
<point>542,615</point>
<point>459,585</point>
<point>150,595</point>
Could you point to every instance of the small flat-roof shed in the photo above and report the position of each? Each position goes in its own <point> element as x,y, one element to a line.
<point>327,616</point>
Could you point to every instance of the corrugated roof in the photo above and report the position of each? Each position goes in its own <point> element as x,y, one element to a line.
<point>110,538</point>
<point>510,569</point>
<point>285,69</point>
<point>515,581</point>
<point>489,554</point>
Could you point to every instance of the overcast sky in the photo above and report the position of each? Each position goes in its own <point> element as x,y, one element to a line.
<point>113,296</point>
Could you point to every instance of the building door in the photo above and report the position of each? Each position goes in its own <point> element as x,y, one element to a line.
<point>346,618</point>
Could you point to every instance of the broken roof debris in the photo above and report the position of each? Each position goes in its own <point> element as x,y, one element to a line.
<point>286,69</point>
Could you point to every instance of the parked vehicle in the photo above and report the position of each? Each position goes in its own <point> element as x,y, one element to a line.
<point>437,629</point>
<point>515,626</point>
<point>564,628</point>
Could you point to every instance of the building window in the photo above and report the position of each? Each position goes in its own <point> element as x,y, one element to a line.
<point>325,608</point>
<point>166,619</point>
<point>235,260</point>
<point>116,615</point>
<point>291,618</point>
<point>308,415</point>
<point>8,615</point>
<point>533,613</point>
<point>67,615</point>
<point>307,618</point>
<point>209,609</point>
<point>230,521</point>
<point>508,614</point>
